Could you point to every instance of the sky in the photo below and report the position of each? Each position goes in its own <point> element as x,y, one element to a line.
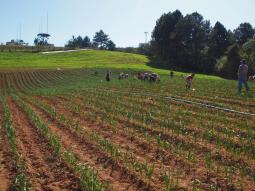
<point>125,21</point>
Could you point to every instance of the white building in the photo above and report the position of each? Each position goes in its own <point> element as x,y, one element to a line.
<point>16,43</point>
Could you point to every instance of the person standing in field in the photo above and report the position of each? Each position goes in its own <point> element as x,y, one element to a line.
<point>242,76</point>
<point>107,77</point>
<point>171,74</point>
<point>189,80</point>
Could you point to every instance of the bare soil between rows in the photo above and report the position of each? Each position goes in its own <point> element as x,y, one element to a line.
<point>7,165</point>
<point>45,170</point>
<point>141,149</point>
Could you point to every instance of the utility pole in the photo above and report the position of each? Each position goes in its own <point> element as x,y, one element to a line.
<point>17,34</point>
<point>47,23</point>
<point>41,24</point>
<point>20,26</point>
<point>18,37</point>
<point>146,34</point>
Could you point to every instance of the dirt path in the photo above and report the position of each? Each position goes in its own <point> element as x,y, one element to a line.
<point>62,51</point>
<point>46,172</point>
<point>7,170</point>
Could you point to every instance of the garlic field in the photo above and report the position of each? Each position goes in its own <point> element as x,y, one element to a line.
<point>69,129</point>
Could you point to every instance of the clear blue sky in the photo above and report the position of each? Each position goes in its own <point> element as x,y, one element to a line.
<point>125,21</point>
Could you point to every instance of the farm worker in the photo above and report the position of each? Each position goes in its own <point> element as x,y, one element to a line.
<point>121,76</point>
<point>252,78</point>
<point>171,74</point>
<point>107,77</point>
<point>242,76</point>
<point>189,79</point>
<point>140,76</point>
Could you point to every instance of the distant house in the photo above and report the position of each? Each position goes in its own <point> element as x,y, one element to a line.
<point>16,43</point>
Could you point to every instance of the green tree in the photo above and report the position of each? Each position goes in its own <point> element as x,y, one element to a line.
<point>100,39</point>
<point>207,62</point>
<point>232,39</point>
<point>79,42</point>
<point>219,40</point>
<point>145,49</point>
<point>249,54</point>
<point>244,32</point>
<point>42,39</point>
<point>163,43</point>
<point>71,42</point>
<point>110,45</point>
<point>86,42</point>
<point>228,65</point>
<point>192,32</point>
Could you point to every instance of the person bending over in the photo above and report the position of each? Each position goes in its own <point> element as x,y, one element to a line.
<point>189,80</point>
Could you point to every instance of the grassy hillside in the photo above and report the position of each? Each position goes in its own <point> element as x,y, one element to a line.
<point>85,58</point>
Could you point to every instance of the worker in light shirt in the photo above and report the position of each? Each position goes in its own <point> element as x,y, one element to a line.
<point>242,76</point>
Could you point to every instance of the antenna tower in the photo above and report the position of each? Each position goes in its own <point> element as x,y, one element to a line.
<point>146,34</point>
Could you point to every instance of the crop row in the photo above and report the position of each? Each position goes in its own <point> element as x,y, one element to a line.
<point>22,181</point>
<point>125,157</point>
<point>29,81</point>
<point>88,177</point>
<point>161,141</point>
<point>19,81</point>
<point>147,116</point>
<point>109,110</point>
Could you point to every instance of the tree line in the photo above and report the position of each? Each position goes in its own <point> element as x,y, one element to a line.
<point>100,41</point>
<point>191,43</point>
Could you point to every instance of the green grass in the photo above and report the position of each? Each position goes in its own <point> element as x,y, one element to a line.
<point>85,58</point>
<point>80,59</point>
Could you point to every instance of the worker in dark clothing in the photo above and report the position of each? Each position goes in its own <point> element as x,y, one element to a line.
<point>107,76</point>
<point>171,74</point>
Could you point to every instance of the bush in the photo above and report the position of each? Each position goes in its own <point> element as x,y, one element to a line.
<point>227,66</point>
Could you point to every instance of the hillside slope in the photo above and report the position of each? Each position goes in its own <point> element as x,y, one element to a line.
<point>80,59</point>
<point>84,58</point>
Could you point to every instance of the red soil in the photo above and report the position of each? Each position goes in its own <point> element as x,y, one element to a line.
<point>46,172</point>
<point>198,171</point>
<point>108,170</point>
<point>7,170</point>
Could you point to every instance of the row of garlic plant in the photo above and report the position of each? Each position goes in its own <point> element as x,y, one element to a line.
<point>163,144</point>
<point>191,155</point>
<point>22,181</point>
<point>180,128</point>
<point>170,181</point>
<point>149,118</point>
<point>88,176</point>
<point>188,111</point>
<point>114,151</point>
